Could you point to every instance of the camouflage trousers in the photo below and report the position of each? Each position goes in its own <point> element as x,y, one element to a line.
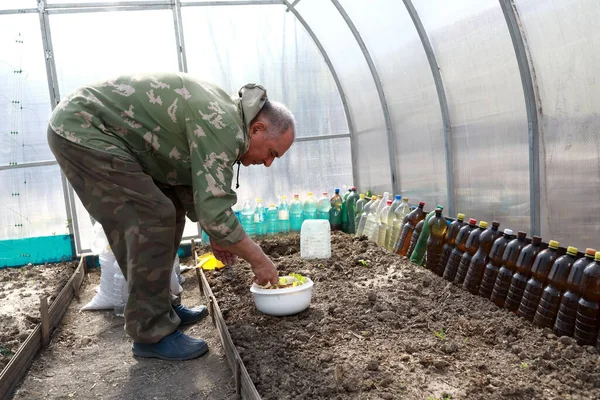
<point>143,221</point>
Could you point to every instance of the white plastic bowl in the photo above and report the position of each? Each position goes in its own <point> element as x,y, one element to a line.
<point>281,302</point>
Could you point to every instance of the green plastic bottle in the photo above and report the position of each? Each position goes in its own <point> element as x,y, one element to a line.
<point>418,253</point>
<point>350,209</point>
<point>359,210</point>
<point>335,212</point>
<point>345,221</point>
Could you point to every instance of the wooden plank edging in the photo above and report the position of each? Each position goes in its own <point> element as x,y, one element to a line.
<point>12,373</point>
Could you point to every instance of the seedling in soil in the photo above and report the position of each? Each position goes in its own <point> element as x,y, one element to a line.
<point>364,263</point>
<point>440,334</point>
<point>466,340</point>
<point>5,351</point>
<point>320,266</point>
<point>524,365</point>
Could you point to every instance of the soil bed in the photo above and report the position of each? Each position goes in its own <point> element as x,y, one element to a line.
<point>20,292</point>
<point>392,330</point>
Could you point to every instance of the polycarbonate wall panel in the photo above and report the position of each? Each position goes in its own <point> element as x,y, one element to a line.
<point>17,4</point>
<point>477,61</point>
<point>32,203</point>
<point>564,38</point>
<point>373,167</point>
<point>136,41</point>
<point>24,98</point>
<point>398,54</point>
<point>278,54</point>
<point>311,166</point>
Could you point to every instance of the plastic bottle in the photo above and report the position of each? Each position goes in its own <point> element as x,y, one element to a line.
<point>383,230</point>
<point>476,267</point>
<point>459,249</point>
<point>359,210</point>
<point>335,211</point>
<point>120,290</point>
<point>508,269</point>
<point>472,247</point>
<point>588,309</point>
<point>399,220</point>
<point>272,221</point>
<point>539,277</point>
<point>323,207</point>
<point>296,215</point>
<point>417,255</point>
<point>247,219</point>
<point>520,278</point>
<point>414,238</point>
<point>309,208</point>
<point>373,217</point>
<point>450,241</point>
<point>403,242</point>
<point>369,208</point>
<point>350,208</point>
<point>435,242</point>
<point>495,262</point>
<point>557,281</point>
<point>567,312</point>
<point>260,222</point>
<point>390,219</point>
<point>283,215</point>
<point>344,216</point>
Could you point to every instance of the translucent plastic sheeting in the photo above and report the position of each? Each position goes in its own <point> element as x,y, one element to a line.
<point>477,61</point>
<point>17,4</point>
<point>394,44</point>
<point>277,53</point>
<point>564,38</point>
<point>32,203</point>
<point>365,108</point>
<point>110,44</point>
<point>24,97</point>
<point>313,166</point>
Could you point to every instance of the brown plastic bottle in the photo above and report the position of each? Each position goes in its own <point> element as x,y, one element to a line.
<point>459,249</point>
<point>508,269</point>
<point>588,309</point>
<point>437,234</point>
<point>557,281</point>
<point>415,237</point>
<point>495,262</point>
<point>472,246</point>
<point>451,235</point>
<point>520,278</point>
<point>567,313</point>
<point>477,266</point>
<point>414,217</point>
<point>539,277</point>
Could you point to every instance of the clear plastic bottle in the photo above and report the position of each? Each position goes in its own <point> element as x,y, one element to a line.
<point>309,208</point>
<point>399,220</point>
<point>260,222</point>
<point>383,231</point>
<point>359,210</point>
<point>372,217</point>
<point>390,219</point>
<point>283,215</point>
<point>247,219</point>
<point>450,242</point>
<point>272,221</point>
<point>296,214</point>
<point>121,293</point>
<point>335,211</point>
<point>363,218</point>
<point>323,207</point>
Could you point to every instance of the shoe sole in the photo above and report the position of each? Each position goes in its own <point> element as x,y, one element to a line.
<point>202,315</point>
<point>202,351</point>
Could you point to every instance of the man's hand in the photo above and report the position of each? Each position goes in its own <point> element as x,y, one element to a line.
<point>265,273</point>
<point>226,257</point>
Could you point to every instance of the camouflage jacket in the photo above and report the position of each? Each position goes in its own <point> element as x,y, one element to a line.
<point>181,131</point>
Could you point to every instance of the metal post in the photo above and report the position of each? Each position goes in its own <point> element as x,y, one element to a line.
<point>380,91</point>
<point>336,79</point>
<point>532,105</point>
<point>181,58</point>
<point>441,92</point>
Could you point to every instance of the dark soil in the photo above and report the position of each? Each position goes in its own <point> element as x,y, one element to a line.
<point>392,330</point>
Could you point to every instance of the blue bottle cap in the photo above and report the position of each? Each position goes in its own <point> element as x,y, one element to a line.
<point>398,197</point>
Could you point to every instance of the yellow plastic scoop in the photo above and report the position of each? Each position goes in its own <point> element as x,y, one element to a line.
<point>208,261</point>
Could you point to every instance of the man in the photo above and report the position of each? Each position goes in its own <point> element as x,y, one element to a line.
<point>141,151</point>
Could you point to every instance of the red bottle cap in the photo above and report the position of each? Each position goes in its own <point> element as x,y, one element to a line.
<point>472,221</point>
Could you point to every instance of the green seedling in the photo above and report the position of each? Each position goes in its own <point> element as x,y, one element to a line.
<point>524,365</point>
<point>5,352</point>
<point>364,263</point>
<point>466,340</point>
<point>441,334</point>
<point>320,266</point>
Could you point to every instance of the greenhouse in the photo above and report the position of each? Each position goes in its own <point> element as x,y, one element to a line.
<point>424,213</point>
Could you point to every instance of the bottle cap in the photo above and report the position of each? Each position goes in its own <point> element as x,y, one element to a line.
<point>389,202</point>
<point>472,221</point>
<point>283,197</point>
<point>309,193</point>
<point>337,190</point>
<point>482,224</point>
<point>438,212</point>
<point>508,232</point>
<point>374,197</point>
<point>536,240</point>
<point>590,252</point>
<point>522,234</point>
<point>495,223</point>
<point>572,250</point>
<point>324,193</point>
<point>380,196</point>
<point>405,199</point>
<point>272,205</point>
<point>421,204</point>
<point>553,244</point>
<point>460,216</point>
<point>353,188</point>
<point>440,207</point>
<point>597,256</point>
<point>258,199</point>
<point>296,196</point>
<point>362,195</point>
<point>398,197</point>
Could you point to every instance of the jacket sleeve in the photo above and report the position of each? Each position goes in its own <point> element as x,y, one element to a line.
<point>213,153</point>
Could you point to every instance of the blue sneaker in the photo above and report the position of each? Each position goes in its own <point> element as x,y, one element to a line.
<point>175,347</point>
<point>190,315</point>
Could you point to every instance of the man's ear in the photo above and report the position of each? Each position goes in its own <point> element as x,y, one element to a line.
<point>257,127</point>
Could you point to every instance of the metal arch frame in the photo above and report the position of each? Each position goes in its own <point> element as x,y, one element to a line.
<point>441,92</point>
<point>532,105</point>
<point>380,92</point>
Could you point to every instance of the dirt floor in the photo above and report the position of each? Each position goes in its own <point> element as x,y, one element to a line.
<point>90,357</point>
<point>391,330</point>
<point>20,292</point>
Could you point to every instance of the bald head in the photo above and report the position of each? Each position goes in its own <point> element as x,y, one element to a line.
<point>278,118</point>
